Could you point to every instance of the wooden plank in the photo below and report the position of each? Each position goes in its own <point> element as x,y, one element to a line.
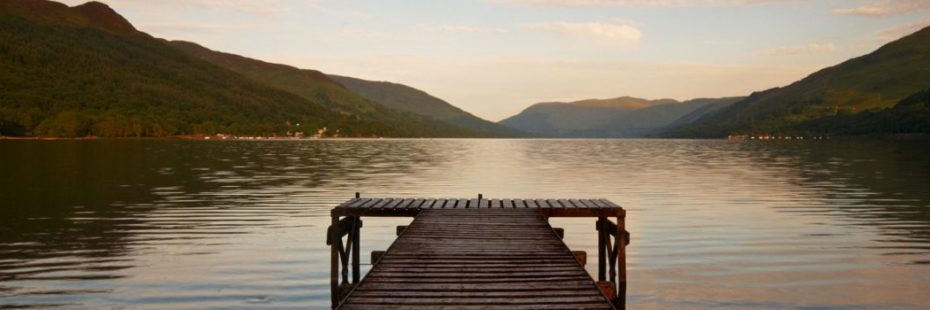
<point>587,203</point>
<point>373,204</point>
<point>349,202</point>
<point>359,202</point>
<point>411,206</point>
<point>402,204</point>
<point>393,204</point>
<point>413,203</point>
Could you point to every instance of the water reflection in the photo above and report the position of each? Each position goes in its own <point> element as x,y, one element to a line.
<point>240,224</point>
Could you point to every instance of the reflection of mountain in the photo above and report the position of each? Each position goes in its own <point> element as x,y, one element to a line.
<point>86,210</point>
<point>885,182</point>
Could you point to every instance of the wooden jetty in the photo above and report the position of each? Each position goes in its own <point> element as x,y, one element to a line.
<point>478,254</point>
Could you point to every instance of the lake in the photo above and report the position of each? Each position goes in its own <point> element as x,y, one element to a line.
<point>127,224</point>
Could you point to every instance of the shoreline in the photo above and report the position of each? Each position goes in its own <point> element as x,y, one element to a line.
<point>914,136</point>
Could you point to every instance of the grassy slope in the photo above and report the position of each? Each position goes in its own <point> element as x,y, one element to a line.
<point>316,86</point>
<point>874,81</point>
<point>84,71</point>
<point>910,116</point>
<point>405,98</point>
<point>567,119</point>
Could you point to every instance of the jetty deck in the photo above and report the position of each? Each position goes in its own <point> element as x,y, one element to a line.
<point>478,254</point>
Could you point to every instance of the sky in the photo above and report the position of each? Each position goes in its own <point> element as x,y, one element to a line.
<point>494,58</point>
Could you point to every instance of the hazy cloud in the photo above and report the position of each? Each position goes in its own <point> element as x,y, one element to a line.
<point>897,32</point>
<point>884,8</point>
<point>467,29</point>
<point>185,27</point>
<point>634,3</point>
<point>248,7</point>
<point>609,31</point>
<point>798,50</point>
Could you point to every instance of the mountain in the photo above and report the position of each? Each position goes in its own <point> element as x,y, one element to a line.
<point>602,118</point>
<point>85,70</point>
<point>317,86</point>
<point>406,98</point>
<point>873,82</point>
<point>91,14</point>
<point>706,109</point>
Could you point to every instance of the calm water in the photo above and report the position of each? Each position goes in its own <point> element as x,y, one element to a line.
<point>219,224</point>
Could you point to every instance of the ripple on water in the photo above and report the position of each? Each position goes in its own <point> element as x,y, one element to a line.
<point>241,224</point>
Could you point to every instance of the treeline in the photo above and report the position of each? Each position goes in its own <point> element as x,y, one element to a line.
<point>66,81</point>
<point>911,115</point>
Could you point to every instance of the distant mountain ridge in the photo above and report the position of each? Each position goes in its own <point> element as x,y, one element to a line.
<point>406,98</point>
<point>876,81</point>
<point>622,117</point>
<point>86,71</point>
<point>313,85</point>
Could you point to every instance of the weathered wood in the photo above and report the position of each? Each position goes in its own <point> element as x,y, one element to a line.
<point>376,256</point>
<point>334,260</point>
<point>501,256</point>
<point>607,289</point>
<point>559,231</point>
<point>581,257</point>
<point>339,229</point>
<point>471,255</point>
<point>622,239</point>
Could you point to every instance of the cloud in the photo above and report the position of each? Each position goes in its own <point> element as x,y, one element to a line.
<point>808,49</point>
<point>467,29</point>
<point>897,32</point>
<point>884,8</point>
<point>608,31</point>
<point>636,3</point>
<point>248,7</point>
<point>187,27</point>
<point>873,11</point>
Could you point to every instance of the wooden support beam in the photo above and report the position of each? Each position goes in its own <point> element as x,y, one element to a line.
<point>335,248</point>
<point>356,240</point>
<point>607,289</point>
<point>376,256</point>
<point>581,256</point>
<point>621,239</point>
<point>341,228</point>
<point>601,253</point>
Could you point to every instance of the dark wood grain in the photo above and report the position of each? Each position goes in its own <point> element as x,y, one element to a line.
<point>472,255</point>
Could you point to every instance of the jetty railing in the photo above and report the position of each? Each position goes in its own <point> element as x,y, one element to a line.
<point>344,237</point>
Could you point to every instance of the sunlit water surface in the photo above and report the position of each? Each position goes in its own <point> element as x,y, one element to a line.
<point>241,224</point>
